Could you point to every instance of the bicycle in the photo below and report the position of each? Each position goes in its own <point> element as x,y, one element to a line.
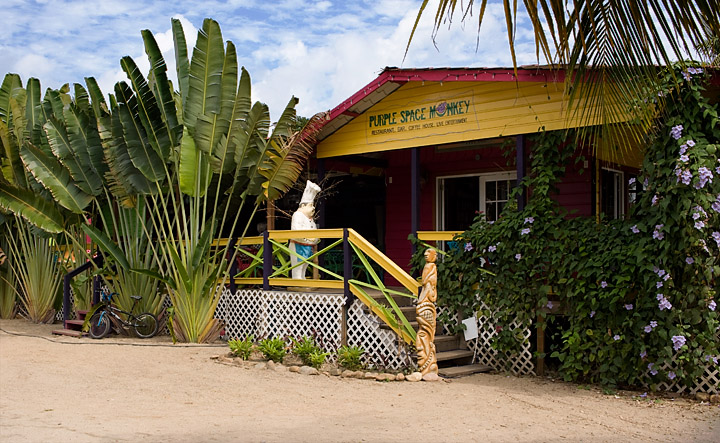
<point>145,325</point>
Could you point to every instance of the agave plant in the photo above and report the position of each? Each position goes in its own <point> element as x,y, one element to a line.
<point>8,292</point>
<point>37,274</point>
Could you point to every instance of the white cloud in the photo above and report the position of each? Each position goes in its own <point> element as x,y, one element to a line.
<point>320,51</point>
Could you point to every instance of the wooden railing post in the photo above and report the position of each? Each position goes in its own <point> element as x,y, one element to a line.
<point>267,260</point>
<point>426,316</point>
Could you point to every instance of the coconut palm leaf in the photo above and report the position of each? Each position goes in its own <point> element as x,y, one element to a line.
<point>612,52</point>
<point>31,207</point>
<point>287,158</point>
<point>55,178</point>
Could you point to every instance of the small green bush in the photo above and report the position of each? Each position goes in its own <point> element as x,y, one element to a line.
<point>242,348</point>
<point>304,347</point>
<point>273,349</point>
<point>317,358</point>
<point>349,357</point>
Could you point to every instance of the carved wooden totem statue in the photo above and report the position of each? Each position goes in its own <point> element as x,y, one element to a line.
<point>426,315</point>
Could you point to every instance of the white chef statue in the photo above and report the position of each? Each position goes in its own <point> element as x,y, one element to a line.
<point>302,219</point>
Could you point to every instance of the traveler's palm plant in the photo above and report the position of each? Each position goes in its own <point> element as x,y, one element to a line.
<point>181,162</point>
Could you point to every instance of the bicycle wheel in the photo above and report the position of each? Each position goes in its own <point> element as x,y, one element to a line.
<point>99,325</point>
<point>145,325</point>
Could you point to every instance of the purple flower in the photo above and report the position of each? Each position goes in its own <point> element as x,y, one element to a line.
<point>645,182</point>
<point>629,306</point>
<point>684,158</point>
<point>616,337</point>
<point>695,70</point>
<point>659,284</point>
<point>634,229</point>
<point>678,341</point>
<point>631,181</point>
<point>592,314</point>
<point>643,354</point>
<point>690,143</point>
<point>659,297</point>
<point>468,247</point>
<point>643,395</point>
<point>648,329</point>
<point>659,272</point>
<point>549,305</point>
<point>671,375</point>
<point>492,248</point>
<point>712,305</point>
<point>676,132</point>
<point>664,304</point>
<point>651,368</point>
<point>653,324</point>
<point>705,176</point>
<point>699,224</point>
<point>658,234</point>
<point>686,75</point>
<point>518,257</point>
<point>667,277</point>
<point>716,236</point>
<point>683,148</point>
<point>716,205</point>
<point>655,199</point>
<point>525,231</point>
<point>689,260</point>
<point>603,284</point>
<point>530,220</point>
<point>686,177</point>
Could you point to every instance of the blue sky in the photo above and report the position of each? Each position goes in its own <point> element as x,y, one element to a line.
<point>319,51</point>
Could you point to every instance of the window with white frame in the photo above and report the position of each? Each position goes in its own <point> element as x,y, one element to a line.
<point>612,193</point>
<point>461,197</point>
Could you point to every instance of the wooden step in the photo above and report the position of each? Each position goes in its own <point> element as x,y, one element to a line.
<point>69,332</point>
<point>74,324</point>
<point>446,343</point>
<point>453,355</point>
<point>399,299</point>
<point>81,314</point>
<point>461,371</point>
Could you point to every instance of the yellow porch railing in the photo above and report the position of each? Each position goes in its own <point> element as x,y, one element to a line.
<point>268,264</point>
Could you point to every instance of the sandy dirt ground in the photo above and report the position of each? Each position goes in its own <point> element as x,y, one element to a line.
<point>121,389</point>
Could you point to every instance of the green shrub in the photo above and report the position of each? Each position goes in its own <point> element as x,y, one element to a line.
<point>273,349</point>
<point>637,294</point>
<point>349,357</point>
<point>304,347</point>
<point>242,348</point>
<point>316,358</point>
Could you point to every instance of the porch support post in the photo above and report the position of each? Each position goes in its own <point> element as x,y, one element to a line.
<point>414,192</point>
<point>320,211</point>
<point>267,260</point>
<point>233,264</point>
<point>520,164</point>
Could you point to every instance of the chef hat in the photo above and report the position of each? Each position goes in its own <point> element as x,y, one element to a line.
<point>311,190</point>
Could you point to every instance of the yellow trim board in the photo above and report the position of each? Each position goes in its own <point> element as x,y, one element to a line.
<point>308,283</point>
<point>437,235</point>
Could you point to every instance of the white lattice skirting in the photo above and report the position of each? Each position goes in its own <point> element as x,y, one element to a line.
<point>281,314</point>
<point>382,347</point>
